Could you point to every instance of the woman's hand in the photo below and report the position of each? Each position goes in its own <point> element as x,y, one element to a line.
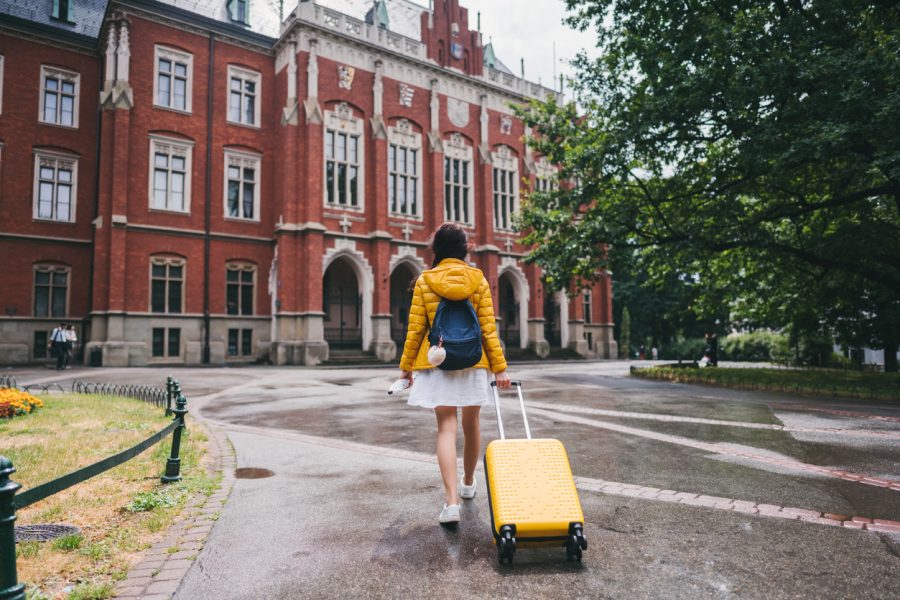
<point>407,375</point>
<point>502,380</point>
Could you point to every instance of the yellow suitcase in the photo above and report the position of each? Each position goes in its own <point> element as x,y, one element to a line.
<point>531,492</point>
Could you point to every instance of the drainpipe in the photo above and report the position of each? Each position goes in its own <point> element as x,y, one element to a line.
<point>208,208</point>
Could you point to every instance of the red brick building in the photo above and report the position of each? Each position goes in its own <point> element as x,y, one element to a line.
<point>202,181</point>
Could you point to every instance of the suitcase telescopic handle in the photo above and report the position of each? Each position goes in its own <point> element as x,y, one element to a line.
<point>518,386</point>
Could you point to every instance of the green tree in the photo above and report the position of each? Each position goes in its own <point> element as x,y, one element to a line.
<point>761,132</point>
<point>625,334</point>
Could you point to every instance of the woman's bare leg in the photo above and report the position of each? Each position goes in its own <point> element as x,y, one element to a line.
<point>446,450</point>
<point>471,425</point>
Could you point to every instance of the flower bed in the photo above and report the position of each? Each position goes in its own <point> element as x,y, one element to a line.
<point>15,402</point>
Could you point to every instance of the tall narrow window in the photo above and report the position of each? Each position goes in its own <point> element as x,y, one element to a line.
<point>545,180</point>
<point>458,181</point>
<point>1,84</point>
<point>166,284</point>
<point>170,174</point>
<point>172,81</point>
<point>51,290</point>
<point>404,170</point>
<point>587,306</point>
<point>239,11</point>
<point>506,187</point>
<point>343,159</point>
<point>59,96</point>
<point>55,184</point>
<point>243,96</point>
<point>240,282</point>
<point>64,10</point>
<point>242,184</point>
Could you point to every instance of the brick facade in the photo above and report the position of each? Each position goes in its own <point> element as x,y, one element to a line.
<point>153,277</point>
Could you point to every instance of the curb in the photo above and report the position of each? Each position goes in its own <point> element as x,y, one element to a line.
<point>159,573</point>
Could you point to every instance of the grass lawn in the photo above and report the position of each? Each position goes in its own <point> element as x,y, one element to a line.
<point>120,512</point>
<point>827,382</point>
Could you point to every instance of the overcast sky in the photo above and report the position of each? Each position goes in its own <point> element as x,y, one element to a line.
<point>528,29</point>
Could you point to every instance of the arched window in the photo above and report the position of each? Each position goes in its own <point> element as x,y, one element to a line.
<point>458,184</point>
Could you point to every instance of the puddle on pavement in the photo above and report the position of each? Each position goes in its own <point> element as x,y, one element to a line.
<point>252,473</point>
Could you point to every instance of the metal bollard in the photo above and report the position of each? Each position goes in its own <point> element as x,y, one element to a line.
<point>173,465</point>
<point>170,391</point>
<point>10,589</point>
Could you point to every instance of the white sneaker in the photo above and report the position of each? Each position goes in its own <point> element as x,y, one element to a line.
<point>449,515</point>
<point>467,492</point>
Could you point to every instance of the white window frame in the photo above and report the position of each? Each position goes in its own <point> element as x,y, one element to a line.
<point>456,148</point>
<point>244,75</point>
<point>171,147</point>
<point>242,160</point>
<point>62,75</point>
<point>168,261</point>
<point>56,161</point>
<point>545,178</point>
<point>51,269</point>
<point>506,165</point>
<point>587,307</point>
<point>166,357</point>
<point>240,268</point>
<point>342,121</point>
<point>1,84</point>
<point>402,135</point>
<point>170,54</point>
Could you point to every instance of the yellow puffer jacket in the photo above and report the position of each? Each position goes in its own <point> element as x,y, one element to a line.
<point>454,280</point>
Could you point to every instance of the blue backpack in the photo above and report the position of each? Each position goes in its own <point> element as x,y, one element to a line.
<point>457,330</point>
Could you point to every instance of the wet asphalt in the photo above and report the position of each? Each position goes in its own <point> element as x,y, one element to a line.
<point>351,510</point>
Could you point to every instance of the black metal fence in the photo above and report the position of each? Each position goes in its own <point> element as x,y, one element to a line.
<point>8,381</point>
<point>10,501</point>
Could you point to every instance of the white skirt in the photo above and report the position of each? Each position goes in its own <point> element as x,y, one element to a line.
<point>436,387</point>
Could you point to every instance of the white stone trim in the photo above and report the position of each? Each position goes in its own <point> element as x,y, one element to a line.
<point>457,148</point>
<point>342,120</point>
<point>171,147</point>
<point>504,159</point>
<point>242,159</point>
<point>403,134</point>
<point>365,278</point>
<point>1,84</point>
<point>407,255</point>
<point>509,264</point>
<point>56,160</point>
<point>243,74</point>
<point>180,56</point>
<point>167,260</point>
<point>64,75</point>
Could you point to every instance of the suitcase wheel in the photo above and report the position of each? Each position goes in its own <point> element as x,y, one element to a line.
<point>576,543</point>
<point>506,545</point>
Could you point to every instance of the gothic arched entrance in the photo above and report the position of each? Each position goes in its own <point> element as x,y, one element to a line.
<point>403,278</point>
<point>342,305</point>
<point>508,309</point>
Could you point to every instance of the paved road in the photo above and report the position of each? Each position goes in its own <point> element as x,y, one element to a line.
<point>688,491</point>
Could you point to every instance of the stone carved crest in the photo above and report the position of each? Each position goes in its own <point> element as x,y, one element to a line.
<point>505,124</point>
<point>344,111</point>
<point>345,76</point>
<point>406,95</point>
<point>458,112</point>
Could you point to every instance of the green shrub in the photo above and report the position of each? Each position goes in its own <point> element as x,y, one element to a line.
<point>91,591</point>
<point>67,543</point>
<point>144,501</point>
<point>756,346</point>
<point>683,349</point>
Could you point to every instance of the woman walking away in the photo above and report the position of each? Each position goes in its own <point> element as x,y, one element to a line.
<point>451,373</point>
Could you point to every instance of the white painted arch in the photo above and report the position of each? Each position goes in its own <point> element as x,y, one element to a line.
<point>346,249</point>
<point>509,266</point>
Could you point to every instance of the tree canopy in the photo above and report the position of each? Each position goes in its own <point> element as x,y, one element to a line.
<point>751,146</point>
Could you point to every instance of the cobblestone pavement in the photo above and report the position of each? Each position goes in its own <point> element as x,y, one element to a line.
<point>688,491</point>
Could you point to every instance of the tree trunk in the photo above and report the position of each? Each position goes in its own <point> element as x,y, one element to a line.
<point>890,356</point>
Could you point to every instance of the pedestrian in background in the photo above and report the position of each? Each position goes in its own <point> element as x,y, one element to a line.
<point>58,345</point>
<point>71,342</point>
<point>445,391</point>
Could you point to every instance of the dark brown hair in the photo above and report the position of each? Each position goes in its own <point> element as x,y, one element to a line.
<point>449,241</point>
